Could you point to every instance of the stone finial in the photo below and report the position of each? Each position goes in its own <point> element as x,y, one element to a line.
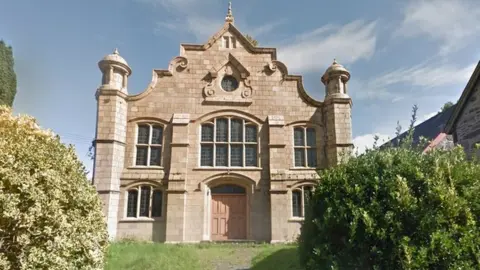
<point>229,18</point>
<point>335,80</point>
<point>115,51</point>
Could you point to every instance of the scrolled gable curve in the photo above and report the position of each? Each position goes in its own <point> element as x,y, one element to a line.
<point>178,64</point>
<point>276,65</point>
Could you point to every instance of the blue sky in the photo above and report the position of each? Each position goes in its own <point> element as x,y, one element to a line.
<point>399,53</point>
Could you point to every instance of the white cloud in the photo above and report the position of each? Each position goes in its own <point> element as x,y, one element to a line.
<point>424,76</point>
<point>364,142</point>
<point>195,17</point>
<point>314,50</point>
<point>452,22</point>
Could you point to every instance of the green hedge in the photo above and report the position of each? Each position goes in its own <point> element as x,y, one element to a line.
<point>50,215</point>
<point>395,208</point>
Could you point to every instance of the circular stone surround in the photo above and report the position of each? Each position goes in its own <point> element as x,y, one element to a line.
<point>229,83</point>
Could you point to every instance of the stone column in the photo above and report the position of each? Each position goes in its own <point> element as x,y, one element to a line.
<point>338,125</point>
<point>110,152</point>
<point>278,166</point>
<point>176,192</point>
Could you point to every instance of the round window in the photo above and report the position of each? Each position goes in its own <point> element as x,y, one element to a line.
<point>229,83</point>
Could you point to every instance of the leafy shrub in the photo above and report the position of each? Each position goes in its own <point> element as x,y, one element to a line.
<point>395,208</point>
<point>50,216</point>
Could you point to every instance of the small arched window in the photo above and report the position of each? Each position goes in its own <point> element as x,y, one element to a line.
<point>228,142</point>
<point>144,201</point>
<point>305,147</point>
<point>148,146</point>
<point>300,198</point>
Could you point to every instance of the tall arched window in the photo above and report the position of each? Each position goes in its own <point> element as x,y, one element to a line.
<point>228,142</point>
<point>305,147</point>
<point>148,146</point>
<point>300,198</point>
<point>144,201</point>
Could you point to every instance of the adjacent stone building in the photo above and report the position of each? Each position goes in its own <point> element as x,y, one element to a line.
<point>464,124</point>
<point>223,145</point>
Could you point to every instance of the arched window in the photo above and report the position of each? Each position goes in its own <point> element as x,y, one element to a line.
<point>305,147</point>
<point>228,142</point>
<point>144,201</point>
<point>300,198</point>
<point>148,146</point>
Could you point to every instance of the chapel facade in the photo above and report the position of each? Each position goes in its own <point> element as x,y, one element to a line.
<point>225,144</point>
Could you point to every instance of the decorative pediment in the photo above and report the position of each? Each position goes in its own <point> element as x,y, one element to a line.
<point>228,82</point>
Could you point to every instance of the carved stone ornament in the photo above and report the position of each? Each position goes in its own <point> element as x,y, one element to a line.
<point>215,94</point>
<point>178,64</point>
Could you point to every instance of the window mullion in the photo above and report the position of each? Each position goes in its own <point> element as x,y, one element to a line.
<point>150,203</point>
<point>229,125</point>
<point>303,202</point>
<point>149,144</point>
<point>214,142</point>
<point>305,152</point>
<point>139,198</point>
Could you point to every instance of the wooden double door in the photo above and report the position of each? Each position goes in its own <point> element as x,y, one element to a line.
<point>229,213</point>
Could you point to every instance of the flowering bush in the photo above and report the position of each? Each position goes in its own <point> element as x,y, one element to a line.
<point>50,216</point>
<point>395,208</point>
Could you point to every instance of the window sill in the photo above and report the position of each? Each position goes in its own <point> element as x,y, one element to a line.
<point>142,219</point>
<point>304,169</point>
<point>296,219</point>
<point>145,168</point>
<point>227,169</point>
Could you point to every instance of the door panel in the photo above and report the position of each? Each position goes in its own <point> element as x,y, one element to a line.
<point>229,217</point>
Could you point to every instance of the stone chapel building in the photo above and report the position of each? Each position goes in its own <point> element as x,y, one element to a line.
<point>225,144</point>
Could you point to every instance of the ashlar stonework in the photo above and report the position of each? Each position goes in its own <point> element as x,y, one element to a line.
<point>223,145</point>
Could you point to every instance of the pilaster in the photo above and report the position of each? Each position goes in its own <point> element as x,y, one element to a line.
<point>177,195</point>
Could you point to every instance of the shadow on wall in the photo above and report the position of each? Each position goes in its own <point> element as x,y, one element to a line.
<point>278,259</point>
<point>159,232</point>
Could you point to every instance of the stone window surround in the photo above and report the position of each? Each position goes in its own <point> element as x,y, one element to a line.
<point>305,126</point>
<point>302,201</point>
<point>212,121</point>
<point>135,143</point>
<point>136,186</point>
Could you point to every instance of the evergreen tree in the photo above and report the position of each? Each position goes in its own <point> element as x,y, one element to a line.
<point>8,79</point>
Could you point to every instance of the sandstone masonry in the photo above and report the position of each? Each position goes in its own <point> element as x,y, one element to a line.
<point>225,144</point>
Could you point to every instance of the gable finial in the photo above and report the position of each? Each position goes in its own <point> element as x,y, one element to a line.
<point>229,17</point>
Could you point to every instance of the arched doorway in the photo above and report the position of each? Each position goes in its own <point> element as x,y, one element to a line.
<point>228,212</point>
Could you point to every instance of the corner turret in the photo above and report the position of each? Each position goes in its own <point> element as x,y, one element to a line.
<point>335,80</point>
<point>115,72</point>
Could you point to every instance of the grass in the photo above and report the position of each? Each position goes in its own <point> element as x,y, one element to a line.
<point>146,256</point>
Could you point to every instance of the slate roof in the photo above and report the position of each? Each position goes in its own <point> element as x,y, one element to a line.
<point>429,129</point>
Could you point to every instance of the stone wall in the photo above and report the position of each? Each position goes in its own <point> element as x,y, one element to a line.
<point>467,129</point>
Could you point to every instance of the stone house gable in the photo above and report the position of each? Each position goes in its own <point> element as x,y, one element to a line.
<point>464,124</point>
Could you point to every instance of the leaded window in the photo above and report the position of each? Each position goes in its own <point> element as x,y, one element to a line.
<point>149,145</point>
<point>229,142</point>
<point>144,201</point>
<point>300,198</point>
<point>305,147</point>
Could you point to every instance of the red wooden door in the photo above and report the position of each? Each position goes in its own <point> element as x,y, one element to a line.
<point>229,216</point>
